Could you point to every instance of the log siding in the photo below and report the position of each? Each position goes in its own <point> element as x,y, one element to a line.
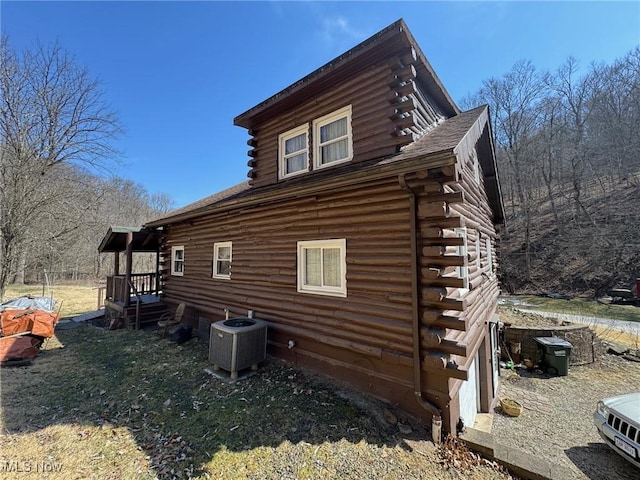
<point>371,327</point>
<point>421,173</point>
<point>389,108</point>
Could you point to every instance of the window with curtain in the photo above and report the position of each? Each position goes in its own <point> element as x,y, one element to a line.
<point>293,152</point>
<point>332,138</point>
<point>177,261</point>
<point>322,267</point>
<point>222,260</point>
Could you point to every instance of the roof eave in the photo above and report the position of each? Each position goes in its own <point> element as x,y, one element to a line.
<point>382,169</point>
<point>397,28</point>
<point>489,170</point>
<point>114,232</point>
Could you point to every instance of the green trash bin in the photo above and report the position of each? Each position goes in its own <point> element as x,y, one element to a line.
<point>555,354</point>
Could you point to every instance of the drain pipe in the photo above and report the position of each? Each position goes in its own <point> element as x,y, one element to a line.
<point>436,419</point>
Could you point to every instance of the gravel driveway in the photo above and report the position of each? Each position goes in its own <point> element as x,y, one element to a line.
<point>557,420</point>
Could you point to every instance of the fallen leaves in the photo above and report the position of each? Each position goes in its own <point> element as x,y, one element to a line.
<point>455,454</point>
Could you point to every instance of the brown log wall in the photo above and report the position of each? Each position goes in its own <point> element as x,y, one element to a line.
<point>264,261</point>
<point>457,317</point>
<point>371,327</point>
<point>365,338</point>
<point>388,110</point>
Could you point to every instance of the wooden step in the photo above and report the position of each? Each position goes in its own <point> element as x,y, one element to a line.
<point>149,314</point>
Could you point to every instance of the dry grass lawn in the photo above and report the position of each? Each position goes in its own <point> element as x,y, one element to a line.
<point>128,405</point>
<point>629,339</point>
<point>70,299</point>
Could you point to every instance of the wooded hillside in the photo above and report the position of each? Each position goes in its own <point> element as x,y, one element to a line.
<point>567,144</point>
<point>57,197</point>
<point>568,150</point>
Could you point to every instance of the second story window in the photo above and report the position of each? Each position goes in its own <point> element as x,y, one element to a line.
<point>332,138</point>
<point>294,152</point>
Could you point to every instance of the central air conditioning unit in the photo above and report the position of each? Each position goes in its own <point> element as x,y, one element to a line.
<point>237,343</point>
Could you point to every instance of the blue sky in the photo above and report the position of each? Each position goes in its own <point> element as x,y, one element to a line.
<point>178,73</point>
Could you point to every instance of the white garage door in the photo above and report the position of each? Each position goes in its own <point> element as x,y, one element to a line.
<point>495,357</point>
<point>468,395</point>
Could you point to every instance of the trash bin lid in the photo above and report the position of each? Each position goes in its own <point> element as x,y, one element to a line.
<point>553,342</point>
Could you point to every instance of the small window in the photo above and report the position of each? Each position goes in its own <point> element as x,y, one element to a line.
<point>322,267</point>
<point>487,243</point>
<point>476,166</point>
<point>222,260</point>
<point>463,270</point>
<point>293,147</point>
<point>478,256</point>
<point>332,138</point>
<point>177,261</point>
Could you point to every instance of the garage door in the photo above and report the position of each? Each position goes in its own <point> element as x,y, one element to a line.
<point>495,357</point>
<point>468,396</point>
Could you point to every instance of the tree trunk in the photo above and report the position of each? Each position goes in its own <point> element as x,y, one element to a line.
<point>18,278</point>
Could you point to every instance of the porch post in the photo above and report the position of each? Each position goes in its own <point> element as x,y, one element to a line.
<point>158,269</point>
<point>127,275</point>
<point>116,263</point>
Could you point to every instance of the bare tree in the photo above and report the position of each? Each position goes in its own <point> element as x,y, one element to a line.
<point>515,100</point>
<point>577,95</point>
<point>52,113</point>
<point>552,124</point>
<point>568,148</point>
<point>616,120</point>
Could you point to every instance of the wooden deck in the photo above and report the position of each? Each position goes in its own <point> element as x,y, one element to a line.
<point>121,300</point>
<point>151,309</point>
<point>142,284</point>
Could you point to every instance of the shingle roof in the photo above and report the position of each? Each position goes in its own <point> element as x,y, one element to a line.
<point>116,239</point>
<point>441,140</point>
<point>205,202</point>
<point>444,137</point>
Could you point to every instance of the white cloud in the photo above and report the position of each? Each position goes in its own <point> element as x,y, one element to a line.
<point>338,35</point>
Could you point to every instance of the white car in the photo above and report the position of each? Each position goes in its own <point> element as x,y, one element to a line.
<point>618,423</point>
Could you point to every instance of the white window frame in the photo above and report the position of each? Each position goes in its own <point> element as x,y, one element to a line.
<point>282,158</point>
<point>174,261</point>
<point>340,291</point>
<point>317,146</point>
<point>216,258</point>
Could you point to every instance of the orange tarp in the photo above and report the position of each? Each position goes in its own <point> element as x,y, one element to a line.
<point>38,322</point>
<point>18,348</point>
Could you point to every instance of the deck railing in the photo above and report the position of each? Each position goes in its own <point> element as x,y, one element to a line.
<point>118,290</point>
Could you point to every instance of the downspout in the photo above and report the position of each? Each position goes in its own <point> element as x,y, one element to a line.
<point>415,309</point>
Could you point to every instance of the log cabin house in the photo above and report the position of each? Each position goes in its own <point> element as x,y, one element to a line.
<point>364,236</point>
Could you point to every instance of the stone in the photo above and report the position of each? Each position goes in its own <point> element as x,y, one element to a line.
<point>404,429</point>
<point>616,348</point>
<point>389,417</point>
